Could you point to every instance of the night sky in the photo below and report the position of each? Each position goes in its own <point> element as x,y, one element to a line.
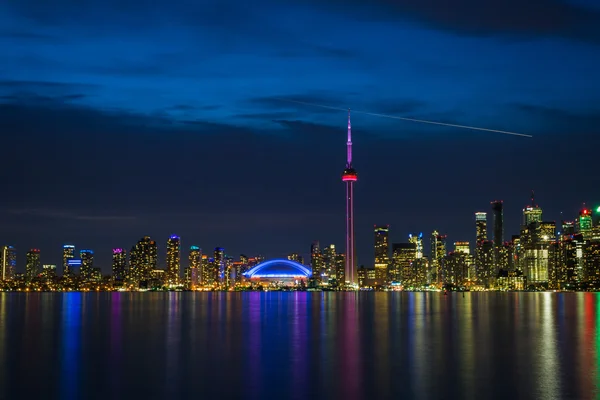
<point>125,118</point>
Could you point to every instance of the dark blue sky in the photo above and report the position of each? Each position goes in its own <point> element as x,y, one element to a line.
<point>124,118</point>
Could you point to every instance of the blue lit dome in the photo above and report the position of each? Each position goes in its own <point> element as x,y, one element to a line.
<point>279,268</point>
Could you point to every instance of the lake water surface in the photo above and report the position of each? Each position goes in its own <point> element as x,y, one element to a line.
<point>299,345</point>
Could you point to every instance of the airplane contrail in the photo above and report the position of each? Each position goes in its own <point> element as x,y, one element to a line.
<point>408,119</point>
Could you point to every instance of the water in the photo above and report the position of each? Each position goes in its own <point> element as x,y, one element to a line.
<point>299,345</point>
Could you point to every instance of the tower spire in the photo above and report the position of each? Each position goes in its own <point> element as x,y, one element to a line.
<point>349,143</point>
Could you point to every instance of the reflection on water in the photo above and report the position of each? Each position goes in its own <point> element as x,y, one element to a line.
<point>299,345</point>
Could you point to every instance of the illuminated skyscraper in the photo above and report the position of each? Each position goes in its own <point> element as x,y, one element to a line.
<point>68,254</point>
<point>87,264</point>
<point>296,257</point>
<point>403,255</point>
<point>48,271</point>
<point>143,261</point>
<point>462,247</point>
<point>330,261</point>
<point>497,212</point>
<point>8,263</point>
<point>173,260</point>
<point>33,265</point>
<point>532,213</point>
<point>382,251</point>
<point>316,260</point>
<point>349,176</point>
<point>438,251</point>
<point>418,242</point>
<point>480,227</point>
<point>194,267</point>
<point>584,223</point>
<point>119,265</point>
<point>219,266</point>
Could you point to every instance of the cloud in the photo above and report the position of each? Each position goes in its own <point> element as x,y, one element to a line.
<point>474,17</point>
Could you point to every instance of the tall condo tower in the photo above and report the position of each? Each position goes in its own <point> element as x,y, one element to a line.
<point>349,177</point>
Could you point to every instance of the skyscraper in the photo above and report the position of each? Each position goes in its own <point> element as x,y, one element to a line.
<point>584,223</point>
<point>68,254</point>
<point>418,242</point>
<point>33,264</point>
<point>349,176</point>
<point>173,260</point>
<point>480,227</point>
<point>8,263</point>
<point>532,213</point>
<point>438,252</point>
<point>316,260</point>
<point>194,268</point>
<point>497,210</point>
<point>143,260</point>
<point>87,264</point>
<point>219,265</point>
<point>382,251</point>
<point>403,256</point>
<point>119,265</point>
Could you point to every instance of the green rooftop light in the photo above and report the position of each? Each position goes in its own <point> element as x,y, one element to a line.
<point>598,209</point>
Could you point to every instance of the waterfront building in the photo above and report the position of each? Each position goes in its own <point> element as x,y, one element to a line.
<point>173,260</point>
<point>382,251</point>
<point>119,265</point>
<point>33,264</point>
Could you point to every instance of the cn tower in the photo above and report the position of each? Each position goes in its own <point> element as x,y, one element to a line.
<point>349,177</point>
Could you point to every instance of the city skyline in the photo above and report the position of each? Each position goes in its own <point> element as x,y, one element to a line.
<point>386,236</point>
<point>144,122</point>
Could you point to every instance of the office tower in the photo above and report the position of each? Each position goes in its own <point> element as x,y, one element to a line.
<point>33,264</point>
<point>403,255</point>
<point>119,265</point>
<point>532,213</point>
<point>497,212</point>
<point>87,264</point>
<point>462,247</point>
<point>143,260</point>
<point>340,268</point>
<point>173,260</point>
<point>484,264</point>
<point>329,261</point>
<point>316,260</point>
<point>480,227</point>
<point>219,266</point>
<point>49,271</point>
<point>438,251</point>
<point>349,176</point>
<point>207,276</point>
<point>382,251</point>
<point>418,242</point>
<point>455,271</point>
<point>194,267</point>
<point>498,238</point>
<point>584,223</point>
<point>68,254</point>
<point>8,263</point>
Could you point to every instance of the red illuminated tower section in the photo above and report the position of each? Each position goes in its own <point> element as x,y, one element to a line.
<point>349,177</point>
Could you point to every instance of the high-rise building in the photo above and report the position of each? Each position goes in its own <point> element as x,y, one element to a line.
<point>498,213</point>
<point>418,242</point>
<point>484,263</point>
<point>143,260</point>
<point>8,265</point>
<point>403,255</point>
<point>329,261</point>
<point>34,264</point>
<point>382,251</point>
<point>48,271</point>
<point>480,227</point>
<point>68,254</point>
<point>585,223</point>
<point>438,251</point>
<point>316,260</point>
<point>119,265</point>
<point>532,213</point>
<point>349,176</point>
<point>87,264</point>
<point>207,275</point>
<point>219,266</point>
<point>173,260</point>
<point>194,267</point>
